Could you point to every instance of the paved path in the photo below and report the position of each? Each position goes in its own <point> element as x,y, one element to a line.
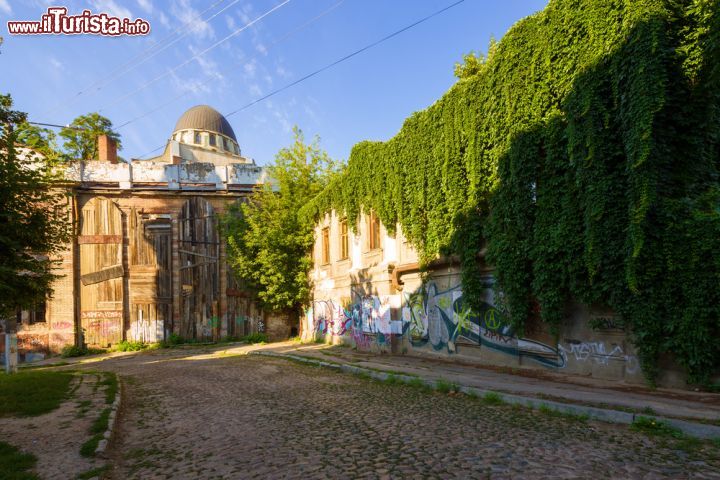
<point>665,402</point>
<point>204,414</point>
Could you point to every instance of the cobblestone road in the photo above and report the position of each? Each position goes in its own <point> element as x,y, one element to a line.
<point>186,415</point>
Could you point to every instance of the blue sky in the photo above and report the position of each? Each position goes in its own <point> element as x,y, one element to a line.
<point>365,98</point>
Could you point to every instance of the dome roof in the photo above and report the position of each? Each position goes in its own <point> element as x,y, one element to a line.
<point>204,117</point>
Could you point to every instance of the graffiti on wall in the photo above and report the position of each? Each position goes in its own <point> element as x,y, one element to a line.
<point>599,354</point>
<point>440,319</point>
<point>367,321</point>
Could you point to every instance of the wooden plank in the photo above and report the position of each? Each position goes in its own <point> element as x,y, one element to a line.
<point>98,239</point>
<point>102,275</point>
<point>198,254</point>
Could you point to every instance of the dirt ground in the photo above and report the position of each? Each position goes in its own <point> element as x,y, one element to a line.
<point>191,414</point>
<point>55,438</point>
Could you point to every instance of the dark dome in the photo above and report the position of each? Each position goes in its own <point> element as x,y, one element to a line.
<point>204,117</point>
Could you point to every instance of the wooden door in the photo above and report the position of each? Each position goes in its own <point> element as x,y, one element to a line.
<point>150,276</point>
<point>101,272</point>
<point>199,249</point>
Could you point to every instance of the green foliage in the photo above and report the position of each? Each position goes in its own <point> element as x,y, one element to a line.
<point>81,139</point>
<point>584,153</point>
<point>254,338</point>
<point>130,346</point>
<point>652,426</point>
<point>269,244</point>
<point>98,472</point>
<point>34,219</point>
<point>444,386</point>
<point>33,393</point>
<point>69,351</point>
<point>14,464</point>
<point>492,398</point>
<point>110,382</point>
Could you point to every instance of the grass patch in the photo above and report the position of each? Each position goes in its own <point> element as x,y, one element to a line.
<point>418,383</point>
<point>654,427</point>
<point>88,448</point>
<point>443,386</point>
<point>111,384</point>
<point>549,411</point>
<point>95,472</point>
<point>492,398</point>
<point>33,393</point>
<point>392,379</point>
<point>15,465</point>
<point>101,423</point>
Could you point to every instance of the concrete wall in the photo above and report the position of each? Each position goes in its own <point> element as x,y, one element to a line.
<point>376,301</point>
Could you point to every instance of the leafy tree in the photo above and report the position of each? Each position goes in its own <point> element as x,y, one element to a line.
<point>269,242</point>
<point>81,136</point>
<point>33,217</point>
<point>41,140</point>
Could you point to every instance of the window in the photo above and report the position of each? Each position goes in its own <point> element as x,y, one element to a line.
<point>212,139</point>
<point>344,246</point>
<point>196,140</point>
<point>326,245</point>
<point>373,231</point>
<point>226,144</point>
<point>35,315</point>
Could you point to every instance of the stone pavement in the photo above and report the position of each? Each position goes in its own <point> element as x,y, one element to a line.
<point>218,413</point>
<point>564,388</point>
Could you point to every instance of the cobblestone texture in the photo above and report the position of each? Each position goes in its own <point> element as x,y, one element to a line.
<point>185,415</point>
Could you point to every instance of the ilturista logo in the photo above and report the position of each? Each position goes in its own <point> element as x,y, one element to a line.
<point>56,21</point>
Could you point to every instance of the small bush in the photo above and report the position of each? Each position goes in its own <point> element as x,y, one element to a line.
<point>392,379</point>
<point>70,351</point>
<point>126,346</point>
<point>255,338</point>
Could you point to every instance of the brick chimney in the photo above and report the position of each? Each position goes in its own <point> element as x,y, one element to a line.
<point>107,149</point>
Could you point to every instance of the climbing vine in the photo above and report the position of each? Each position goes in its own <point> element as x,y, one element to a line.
<point>583,151</point>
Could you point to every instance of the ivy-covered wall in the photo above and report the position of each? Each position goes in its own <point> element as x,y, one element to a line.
<point>584,154</point>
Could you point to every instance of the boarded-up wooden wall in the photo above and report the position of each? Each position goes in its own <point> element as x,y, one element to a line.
<point>150,276</point>
<point>199,250</point>
<point>101,272</point>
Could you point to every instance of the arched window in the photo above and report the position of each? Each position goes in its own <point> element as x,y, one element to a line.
<point>197,138</point>
<point>212,140</point>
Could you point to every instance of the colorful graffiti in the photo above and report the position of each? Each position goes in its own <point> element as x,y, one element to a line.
<point>367,322</point>
<point>443,321</point>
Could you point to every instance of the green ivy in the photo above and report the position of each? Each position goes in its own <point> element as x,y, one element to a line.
<point>583,151</point>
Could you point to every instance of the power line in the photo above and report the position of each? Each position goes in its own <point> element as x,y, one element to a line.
<point>168,72</point>
<point>267,48</point>
<point>57,126</point>
<point>330,65</point>
<point>119,71</point>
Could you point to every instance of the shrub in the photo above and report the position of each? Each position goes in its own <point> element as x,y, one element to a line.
<point>255,338</point>
<point>126,346</point>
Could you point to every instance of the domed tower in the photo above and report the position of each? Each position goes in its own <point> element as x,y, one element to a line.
<point>203,135</point>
